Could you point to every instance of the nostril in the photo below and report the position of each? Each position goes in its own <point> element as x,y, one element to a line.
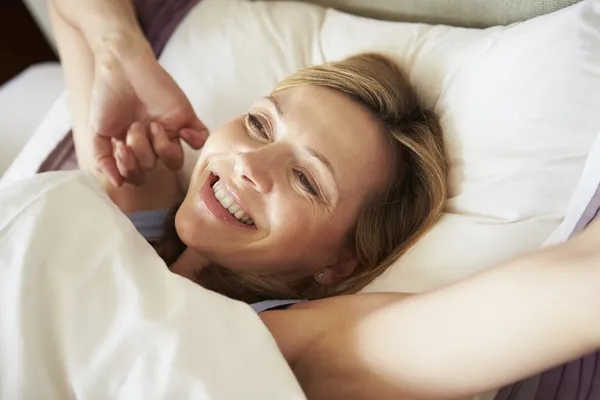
<point>247,179</point>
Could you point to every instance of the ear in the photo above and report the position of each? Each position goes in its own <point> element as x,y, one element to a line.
<point>341,269</point>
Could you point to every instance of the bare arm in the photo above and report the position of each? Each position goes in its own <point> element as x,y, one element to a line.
<point>515,320</point>
<point>101,21</point>
<point>78,68</point>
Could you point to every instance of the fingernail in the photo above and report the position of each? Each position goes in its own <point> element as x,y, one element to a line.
<point>185,134</point>
<point>192,134</point>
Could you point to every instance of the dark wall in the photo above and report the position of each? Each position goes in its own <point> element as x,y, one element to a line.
<point>21,42</point>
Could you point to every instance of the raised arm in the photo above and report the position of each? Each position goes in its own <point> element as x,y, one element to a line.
<point>116,89</point>
<point>102,21</point>
<point>110,25</point>
<point>515,320</point>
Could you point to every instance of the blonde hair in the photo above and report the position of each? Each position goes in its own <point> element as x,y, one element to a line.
<point>391,221</point>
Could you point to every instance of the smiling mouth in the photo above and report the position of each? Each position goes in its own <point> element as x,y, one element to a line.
<point>228,202</point>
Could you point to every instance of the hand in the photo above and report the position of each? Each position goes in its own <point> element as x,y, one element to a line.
<point>143,146</point>
<point>131,87</point>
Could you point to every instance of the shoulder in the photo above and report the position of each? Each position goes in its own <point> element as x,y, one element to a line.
<point>303,324</point>
<point>318,339</point>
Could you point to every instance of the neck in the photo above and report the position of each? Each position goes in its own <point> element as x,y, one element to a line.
<point>188,264</point>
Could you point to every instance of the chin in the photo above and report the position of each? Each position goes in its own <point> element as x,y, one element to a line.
<point>195,232</point>
<point>186,225</point>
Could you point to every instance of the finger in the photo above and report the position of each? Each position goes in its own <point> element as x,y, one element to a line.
<point>127,165</point>
<point>105,160</point>
<point>201,132</point>
<point>169,151</point>
<point>193,138</point>
<point>139,144</point>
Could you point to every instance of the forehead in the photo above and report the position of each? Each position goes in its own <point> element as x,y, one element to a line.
<point>342,130</point>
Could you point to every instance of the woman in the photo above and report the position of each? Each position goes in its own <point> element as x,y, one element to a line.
<point>314,192</point>
<point>360,346</point>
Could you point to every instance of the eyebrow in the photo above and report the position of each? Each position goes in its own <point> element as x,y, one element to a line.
<point>324,160</point>
<point>312,152</point>
<point>276,105</point>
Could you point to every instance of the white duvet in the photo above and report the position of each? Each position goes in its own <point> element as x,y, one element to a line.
<point>89,311</point>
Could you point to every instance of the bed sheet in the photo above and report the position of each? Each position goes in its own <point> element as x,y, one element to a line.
<point>89,311</point>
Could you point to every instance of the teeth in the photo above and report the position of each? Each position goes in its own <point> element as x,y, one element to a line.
<point>226,202</point>
<point>230,205</point>
<point>219,194</point>
<point>239,214</point>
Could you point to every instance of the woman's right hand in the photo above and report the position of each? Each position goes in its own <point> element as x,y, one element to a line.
<point>130,91</point>
<point>143,147</point>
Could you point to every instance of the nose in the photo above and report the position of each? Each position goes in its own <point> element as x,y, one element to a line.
<point>258,167</point>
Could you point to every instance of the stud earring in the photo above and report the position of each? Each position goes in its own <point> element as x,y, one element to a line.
<point>320,276</point>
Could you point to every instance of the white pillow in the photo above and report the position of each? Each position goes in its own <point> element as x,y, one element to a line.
<point>518,105</point>
<point>519,117</point>
<point>89,311</point>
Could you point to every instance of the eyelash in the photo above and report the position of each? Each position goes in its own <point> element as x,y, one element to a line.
<point>257,127</point>
<point>304,181</point>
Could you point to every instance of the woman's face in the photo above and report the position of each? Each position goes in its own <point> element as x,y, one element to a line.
<point>277,190</point>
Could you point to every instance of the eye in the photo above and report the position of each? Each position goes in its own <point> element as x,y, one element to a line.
<point>304,181</point>
<point>257,126</point>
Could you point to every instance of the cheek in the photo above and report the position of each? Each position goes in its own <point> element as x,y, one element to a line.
<point>184,226</point>
<point>294,225</point>
<point>290,213</point>
<point>304,227</point>
<point>226,137</point>
<point>187,224</point>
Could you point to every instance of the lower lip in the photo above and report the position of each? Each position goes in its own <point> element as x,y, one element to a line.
<point>209,201</point>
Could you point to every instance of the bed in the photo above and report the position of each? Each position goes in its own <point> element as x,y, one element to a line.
<point>511,82</point>
<point>19,115</point>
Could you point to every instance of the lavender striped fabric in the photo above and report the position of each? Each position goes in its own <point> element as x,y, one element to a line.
<point>158,19</point>
<point>577,380</point>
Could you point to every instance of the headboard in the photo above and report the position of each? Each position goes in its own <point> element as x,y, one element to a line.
<point>467,13</point>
